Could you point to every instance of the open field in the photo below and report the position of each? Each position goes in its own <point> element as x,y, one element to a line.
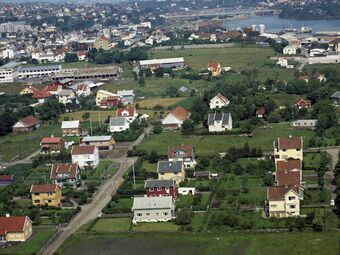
<point>212,144</point>
<point>180,243</point>
<point>33,245</point>
<point>156,227</point>
<point>95,115</point>
<point>13,145</point>
<point>112,225</point>
<point>164,102</point>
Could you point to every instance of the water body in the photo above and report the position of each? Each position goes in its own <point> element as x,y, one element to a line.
<point>276,24</point>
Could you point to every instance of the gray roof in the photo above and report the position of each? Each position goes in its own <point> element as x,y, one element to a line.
<point>101,138</point>
<point>34,68</point>
<point>147,203</point>
<point>169,166</point>
<point>70,124</point>
<point>218,116</point>
<point>336,95</point>
<point>117,121</point>
<point>65,93</point>
<point>122,93</point>
<point>159,183</point>
<point>10,65</point>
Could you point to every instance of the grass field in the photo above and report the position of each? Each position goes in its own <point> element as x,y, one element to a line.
<point>13,145</point>
<point>203,244</point>
<point>33,245</point>
<point>212,144</point>
<point>95,115</point>
<point>164,102</point>
<point>112,225</point>
<point>155,227</point>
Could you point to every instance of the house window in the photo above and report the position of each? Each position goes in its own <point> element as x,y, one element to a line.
<point>147,214</point>
<point>165,213</point>
<point>284,150</point>
<point>159,189</point>
<point>291,198</point>
<point>273,206</point>
<point>298,149</point>
<point>151,189</point>
<point>36,201</point>
<point>139,214</point>
<point>292,206</point>
<point>157,214</point>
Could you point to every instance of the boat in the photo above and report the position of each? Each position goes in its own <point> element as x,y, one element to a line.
<point>305,29</point>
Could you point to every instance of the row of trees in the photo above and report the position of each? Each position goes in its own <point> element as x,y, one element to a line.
<point>115,56</point>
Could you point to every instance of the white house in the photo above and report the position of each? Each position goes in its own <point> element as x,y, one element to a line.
<point>175,118</point>
<point>291,49</point>
<point>83,90</point>
<point>185,153</point>
<point>85,156</point>
<point>118,124</point>
<point>66,97</point>
<point>218,101</point>
<point>284,63</point>
<point>220,122</point>
<point>129,113</point>
<point>153,209</point>
<point>186,191</point>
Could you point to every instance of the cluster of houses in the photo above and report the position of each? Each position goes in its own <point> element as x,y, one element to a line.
<point>283,200</point>
<point>158,203</point>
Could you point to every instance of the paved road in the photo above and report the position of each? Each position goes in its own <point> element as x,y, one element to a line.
<point>26,160</point>
<point>91,211</point>
<point>329,176</point>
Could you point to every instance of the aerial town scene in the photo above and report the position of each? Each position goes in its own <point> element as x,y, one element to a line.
<point>170,127</point>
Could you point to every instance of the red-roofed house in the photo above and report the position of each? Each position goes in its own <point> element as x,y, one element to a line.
<point>185,153</point>
<point>282,202</point>
<point>65,174</point>
<point>214,68</point>
<point>261,112</point>
<point>42,95</point>
<point>15,228</point>
<point>110,101</point>
<point>54,88</point>
<point>218,101</point>
<point>85,156</point>
<point>26,124</point>
<point>176,118</point>
<point>52,144</point>
<point>6,180</point>
<point>302,103</point>
<point>288,148</point>
<point>129,113</point>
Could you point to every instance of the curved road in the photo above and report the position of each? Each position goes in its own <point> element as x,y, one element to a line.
<point>91,211</point>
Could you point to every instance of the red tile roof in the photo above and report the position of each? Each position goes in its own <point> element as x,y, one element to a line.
<point>41,94</point>
<point>180,113</point>
<point>187,150</point>
<point>70,169</point>
<point>278,193</point>
<point>288,178</point>
<point>302,102</point>
<point>49,140</point>
<point>80,150</point>
<point>12,224</point>
<point>53,87</point>
<point>288,165</point>
<point>213,66</point>
<point>29,121</point>
<point>130,110</point>
<point>260,111</point>
<point>44,188</point>
<point>222,98</point>
<point>6,177</point>
<point>289,143</point>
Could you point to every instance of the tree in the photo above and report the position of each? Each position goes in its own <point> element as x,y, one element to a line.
<point>7,120</point>
<point>153,158</point>
<point>268,180</point>
<point>183,216</point>
<point>50,110</point>
<point>171,91</point>
<point>188,127</point>
<point>71,57</point>
<point>274,117</point>
<point>141,81</point>
<point>86,116</point>
<point>157,129</point>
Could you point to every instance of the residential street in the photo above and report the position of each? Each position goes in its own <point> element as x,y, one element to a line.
<point>93,209</point>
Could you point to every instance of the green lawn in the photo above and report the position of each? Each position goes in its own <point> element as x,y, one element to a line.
<point>311,160</point>
<point>155,227</point>
<point>33,245</point>
<point>213,144</point>
<point>112,225</point>
<point>282,99</point>
<point>203,244</point>
<point>104,170</point>
<point>13,145</point>
<point>95,115</point>
<point>149,167</point>
<point>237,182</point>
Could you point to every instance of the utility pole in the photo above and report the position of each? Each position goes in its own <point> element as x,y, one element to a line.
<point>91,125</point>
<point>134,177</point>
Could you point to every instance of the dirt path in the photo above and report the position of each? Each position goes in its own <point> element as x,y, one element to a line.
<point>91,211</point>
<point>329,176</point>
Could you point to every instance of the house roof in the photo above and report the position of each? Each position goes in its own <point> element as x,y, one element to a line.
<point>335,41</point>
<point>70,124</point>
<point>169,166</point>
<point>117,121</point>
<point>124,92</point>
<point>53,87</point>
<point>43,188</point>
<point>336,94</point>
<point>29,121</point>
<point>6,177</point>
<point>161,61</point>
<point>180,113</point>
<point>149,203</point>
<point>213,66</point>
<point>41,94</point>
<point>80,150</point>
<point>101,138</point>
<point>301,101</point>
<point>221,98</point>
<point>289,178</point>
<point>69,169</point>
<point>182,151</point>
<point>278,193</point>
<point>34,89</point>
<point>12,224</point>
<point>159,184</point>
<point>289,143</point>
<point>260,110</point>
<point>290,164</point>
<point>49,140</point>
<point>130,110</point>
<point>219,116</point>
<point>65,92</point>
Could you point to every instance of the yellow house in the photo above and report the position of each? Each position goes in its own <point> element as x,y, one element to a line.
<point>46,194</point>
<point>102,43</point>
<point>214,68</point>
<point>28,90</point>
<point>171,170</point>
<point>291,147</point>
<point>103,94</point>
<point>282,202</point>
<point>15,228</point>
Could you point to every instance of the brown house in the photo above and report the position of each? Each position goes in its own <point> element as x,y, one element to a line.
<point>71,128</point>
<point>52,144</point>
<point>26,124</point>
